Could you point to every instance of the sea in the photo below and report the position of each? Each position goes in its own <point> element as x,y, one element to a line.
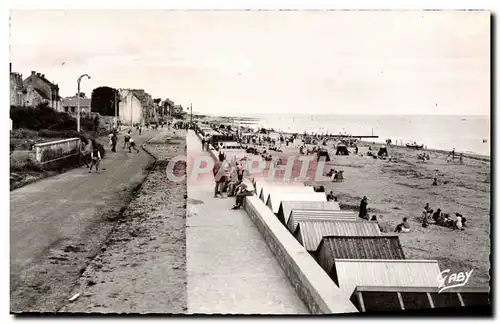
<point>468,134</point>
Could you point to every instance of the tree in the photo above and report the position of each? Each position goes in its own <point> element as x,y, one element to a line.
<point>103,101</point>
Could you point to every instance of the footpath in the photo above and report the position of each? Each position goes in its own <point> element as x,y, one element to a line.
<point>230,269</point>
<point>56,225</point>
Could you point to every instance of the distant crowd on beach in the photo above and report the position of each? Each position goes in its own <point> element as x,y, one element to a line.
<point>429,216</point>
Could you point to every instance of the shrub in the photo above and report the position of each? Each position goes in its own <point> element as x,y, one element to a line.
<point>44,117</point>
<point>23,133</point>
<point>25,165</point>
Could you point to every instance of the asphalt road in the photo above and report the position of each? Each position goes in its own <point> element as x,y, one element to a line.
<point>58,224</point>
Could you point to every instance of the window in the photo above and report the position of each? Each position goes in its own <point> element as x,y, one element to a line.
<point>72,109</point>
<point>380,301</point>
<point>476,299</point>
<point>415,300</point>
<point>444,299</point>
<point>66,109</point>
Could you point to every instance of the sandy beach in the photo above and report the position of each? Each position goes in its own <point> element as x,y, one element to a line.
<point>142,266</point>
<point>401,189</point>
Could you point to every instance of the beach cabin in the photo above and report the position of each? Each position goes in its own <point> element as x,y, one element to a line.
<point>267,189</point>
<point>287,206</point>
<point>310,233</point>
<point>351,273</point>
<point>276,197</point>
<point>298,215</point>
<point>378,247</point>
<point>374,298</point>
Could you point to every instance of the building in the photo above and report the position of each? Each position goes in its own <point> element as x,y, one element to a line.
<point>40,90</point>
<point>70,104</point>
<point>167,107</point>
<point>135,106</point>
<point>177,109</point>
<point>17,90</point>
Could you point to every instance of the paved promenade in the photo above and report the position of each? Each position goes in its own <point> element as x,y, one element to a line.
<point>230,269</point>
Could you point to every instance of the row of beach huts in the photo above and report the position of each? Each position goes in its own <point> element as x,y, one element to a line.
<point>368,266</point>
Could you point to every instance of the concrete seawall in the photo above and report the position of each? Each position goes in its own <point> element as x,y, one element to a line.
<point>313,285</point>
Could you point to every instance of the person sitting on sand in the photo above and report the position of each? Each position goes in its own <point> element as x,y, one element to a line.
<point>448,222</point>
<point>436,215</point>
<point>441,221</point>
<point>461,158</point>
<point>335,176</point>
<point>374,219</point>
<point>404,227</point>
<point>363,210</point>
<point>340,176</point>
<point>425,222</point>
<point>329,196</point>
<point>435,183</point>
<point>243,190</point>
<point>458,222</point>
<point>335,199</point>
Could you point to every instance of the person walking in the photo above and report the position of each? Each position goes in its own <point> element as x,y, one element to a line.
<point>114,140</point>
<point>219,176</point>
<point>363,210</point>
<point>203,141</point>
<point>126,140</point>
<point>131,145</point>
<point>96,157</point>
<point>85,152</point>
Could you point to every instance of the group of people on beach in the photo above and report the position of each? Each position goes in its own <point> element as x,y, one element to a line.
<point>429,216</point>
<point>451,157</point>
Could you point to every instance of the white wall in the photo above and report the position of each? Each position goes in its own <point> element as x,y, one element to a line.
<point>126,108</point>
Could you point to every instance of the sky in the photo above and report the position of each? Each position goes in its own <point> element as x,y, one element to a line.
<point>224,62</point>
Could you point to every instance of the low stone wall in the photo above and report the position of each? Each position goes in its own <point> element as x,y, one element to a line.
<point>311,282</point>
<point>52,151</point>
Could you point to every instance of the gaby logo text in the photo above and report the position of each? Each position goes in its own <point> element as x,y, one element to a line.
<point>449,280</point>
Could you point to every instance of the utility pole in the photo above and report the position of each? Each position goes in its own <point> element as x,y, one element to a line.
<point>131,120</point>
<point>116,110</point>
<point>191,105</point>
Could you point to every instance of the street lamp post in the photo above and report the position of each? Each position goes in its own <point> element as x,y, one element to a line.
<point>117,98</point>
<point>78,101</point>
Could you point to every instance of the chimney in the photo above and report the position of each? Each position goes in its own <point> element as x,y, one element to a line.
<point>43,75</point>
<point>33,72</point>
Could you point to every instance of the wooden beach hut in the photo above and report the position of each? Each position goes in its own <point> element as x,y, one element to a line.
<point>377,247</point>
<point>276,197</point>
<point>287,206</point>
<point>377,298</point>
<point>298,215</point>
<point>267,187</point>
<point>351,273</point>
<point>310,233</point>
